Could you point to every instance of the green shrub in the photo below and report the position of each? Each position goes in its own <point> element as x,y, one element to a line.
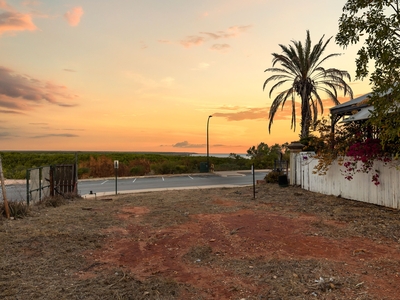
<point>83,172</point>
<point>138,170</point>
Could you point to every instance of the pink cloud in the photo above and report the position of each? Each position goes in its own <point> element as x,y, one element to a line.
<point>74,15</point>
<point>12,20</point>
<point>233,31</point>
<point>192,40</point>
<point>5,5</point>
<point>197,40</point>
<point>21,92</point>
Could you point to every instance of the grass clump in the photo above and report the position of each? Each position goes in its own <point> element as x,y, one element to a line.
<point>273,176</point>
<point>18,209</point>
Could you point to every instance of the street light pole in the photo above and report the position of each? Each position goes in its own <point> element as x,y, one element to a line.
<point>208,152</point>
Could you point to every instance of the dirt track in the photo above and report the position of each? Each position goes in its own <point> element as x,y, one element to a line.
<point>204,244</point>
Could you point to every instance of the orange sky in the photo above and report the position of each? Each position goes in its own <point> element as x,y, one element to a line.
<point>145,75</point>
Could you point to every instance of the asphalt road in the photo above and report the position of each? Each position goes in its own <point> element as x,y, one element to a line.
<point>140,184</point>
<point>101,187</point>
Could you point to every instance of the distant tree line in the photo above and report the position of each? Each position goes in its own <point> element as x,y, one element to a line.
<point>101,164</point>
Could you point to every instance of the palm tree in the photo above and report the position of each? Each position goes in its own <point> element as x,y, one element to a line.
<point>301,68</point>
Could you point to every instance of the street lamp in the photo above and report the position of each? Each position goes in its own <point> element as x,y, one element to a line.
<point>208,152</point>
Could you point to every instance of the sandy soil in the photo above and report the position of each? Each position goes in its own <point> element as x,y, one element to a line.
<point>203,244</point>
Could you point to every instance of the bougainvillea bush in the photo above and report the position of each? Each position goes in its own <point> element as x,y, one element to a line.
<point>356,146</point>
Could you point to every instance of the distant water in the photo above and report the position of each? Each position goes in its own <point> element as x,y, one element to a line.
<point>222,155</point>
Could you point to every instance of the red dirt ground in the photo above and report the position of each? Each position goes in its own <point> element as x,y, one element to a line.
<point>244,234</point>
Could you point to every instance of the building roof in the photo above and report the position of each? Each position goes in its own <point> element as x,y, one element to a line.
<point>363,114</point>
<point>349,106</point>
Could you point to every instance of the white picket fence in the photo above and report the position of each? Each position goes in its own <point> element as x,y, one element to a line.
<point>360,188</point>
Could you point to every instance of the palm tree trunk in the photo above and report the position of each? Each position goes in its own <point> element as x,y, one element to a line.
<point>305,115</point>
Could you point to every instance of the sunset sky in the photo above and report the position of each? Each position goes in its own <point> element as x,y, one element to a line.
<point>144,75</point>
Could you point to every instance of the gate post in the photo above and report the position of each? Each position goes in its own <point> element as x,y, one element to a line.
<point>295,148</point>
<point>51,181</point>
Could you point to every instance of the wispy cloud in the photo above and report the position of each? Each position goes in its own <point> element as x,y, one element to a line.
<point>193,40</point>
<point>233,31</point>
<point>240,114</point>
<point>202,66</point>
<point>10,112</point>
<point>186,144</point>
<point>66,135</point>
<point>202,37</point>
<point>143,45</point>
<point>148,85</point>
<point>74,15</point>
<point>22,92</point>
<point>12,20</point>
<point>69,70</point>
<point>5,135</point>
<point>220,47</point>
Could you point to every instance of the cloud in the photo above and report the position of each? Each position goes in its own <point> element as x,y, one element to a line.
<point>201,66</point>
<point>233,31</point>
<point>202,37</point>
<point>4,5</point>
<point>186,144</point>
<point>220,47</point>
<point>246,114</point>
<point>74,15</point>
<point>192,40</point>
<point>22,92</point>
<point>5,135</point>
<point>165,41</point>
<point>11,112</point>
<point>67,135</point>
<point>143,45</point>
<point>69,70</point>
<point>237,113</point>
<point>12,20</point>
<point>145,85</point>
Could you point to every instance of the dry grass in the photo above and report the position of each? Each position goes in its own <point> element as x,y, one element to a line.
<point>51,253</point>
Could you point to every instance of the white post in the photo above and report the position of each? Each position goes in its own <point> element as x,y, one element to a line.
<point>295,148</point>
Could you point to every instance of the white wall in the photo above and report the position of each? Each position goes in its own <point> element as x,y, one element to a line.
<point>360,188</point>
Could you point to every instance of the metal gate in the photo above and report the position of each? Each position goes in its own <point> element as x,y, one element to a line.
<point>51,181</point>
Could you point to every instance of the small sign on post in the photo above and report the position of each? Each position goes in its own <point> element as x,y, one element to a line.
<point>116,165</point>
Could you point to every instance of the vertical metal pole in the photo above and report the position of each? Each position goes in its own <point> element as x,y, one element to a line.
<point>28,172</point>
<point>40,183</point>
<point>116,175</point>
<point>76,174</point>
<point>208,152</point>
<point>254,181</point>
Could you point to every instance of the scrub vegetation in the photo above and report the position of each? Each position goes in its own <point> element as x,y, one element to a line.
<point>101,164</point>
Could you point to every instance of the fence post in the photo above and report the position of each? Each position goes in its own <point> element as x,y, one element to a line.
<point>3,188</point>
<point>28,174</point>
